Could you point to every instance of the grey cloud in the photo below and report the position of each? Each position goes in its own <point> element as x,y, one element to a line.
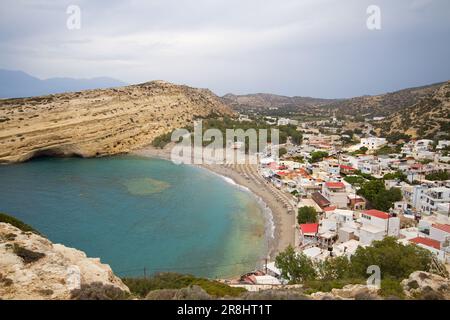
<point>312,47</point>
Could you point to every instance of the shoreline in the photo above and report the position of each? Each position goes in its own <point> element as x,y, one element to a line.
<point>282,224</point>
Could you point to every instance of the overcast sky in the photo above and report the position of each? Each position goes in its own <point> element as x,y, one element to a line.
<point>319,48</point>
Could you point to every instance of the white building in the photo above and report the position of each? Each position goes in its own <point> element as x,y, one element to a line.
<point>431,245</point>
<point>286,121</point>
<point>347,248</point>
<point>442,144</point>
<point>330,167</point>
<point>370,167</point>
<point>440,232</point>
<point>373,143</point>
<point>335,193</point>
<point>376,225</point>
<point>413,195</point>
<point>434,199</point>
<point>422,145</point>
<point>369,233</point>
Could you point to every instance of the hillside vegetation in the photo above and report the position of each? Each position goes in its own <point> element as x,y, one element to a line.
<point>428,118</point>
<point>384,104</point>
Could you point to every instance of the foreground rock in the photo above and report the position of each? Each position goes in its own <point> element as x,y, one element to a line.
<point>428,286</point>
<point>99,122</point>
<point>349,292</point>
<point>31,267</point>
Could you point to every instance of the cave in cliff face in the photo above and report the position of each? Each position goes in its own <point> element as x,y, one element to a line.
<point>56,152</point>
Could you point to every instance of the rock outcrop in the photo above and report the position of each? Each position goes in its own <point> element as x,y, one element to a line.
<point>32,267</point>
<point>349,292</point>
<point>99,122</point>
<point>428,286</point>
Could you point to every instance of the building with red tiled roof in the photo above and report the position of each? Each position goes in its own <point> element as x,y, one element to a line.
<point>346,169</point>
<point>440,232</point>
<point>335,192</point>
<point>376,213</point>
<point>308,232</point>
<point>331,208</point>
<point>321,201</point>
<point>377,225</point>
<point>427,242</point>
<point>334,185</point>
<point>442,227</point>
<point>309,228</point>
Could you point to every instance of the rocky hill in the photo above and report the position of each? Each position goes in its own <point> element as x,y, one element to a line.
<point>99,122</point>
<point>384,104</point>
<point>427,118</point>
<point>265,101</point>
<point>32,267</point>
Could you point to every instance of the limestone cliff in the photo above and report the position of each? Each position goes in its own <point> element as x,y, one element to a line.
<point>99,122</point>
<point>31,267</point>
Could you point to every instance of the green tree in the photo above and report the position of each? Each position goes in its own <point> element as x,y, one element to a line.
<point>441,175</point>
<point>363,150</point>
<point>334,268</point>
<point>395,176</point>
<point>395,260</point>
<point>317,156</point>
<point>385,199</point>
<point>296,267</point>
<point>380,198</point>
<point>282,151</point>
<point>355,180</point>
<point>396,136</point>
<point>307,215</point>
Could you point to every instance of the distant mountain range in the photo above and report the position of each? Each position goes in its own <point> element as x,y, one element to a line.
<point>18,84</point>
<point>420,111</point>
<point>368,106</point>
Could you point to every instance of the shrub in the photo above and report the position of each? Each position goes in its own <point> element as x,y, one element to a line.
<point>98,291</point>
<point>16,223</point>
<point>306,215</point>
<point>438,176</point>
<point>391,288</point>
<point>355,180</point>
<point>313,286</point>
<point>295,266</point>
<point>162,140</point>
<point>190,293</point>
<point>379,197</point>
<point>317,156</point>
<point>168,280</point>
<point>395,176</point>
<point>397,261</point>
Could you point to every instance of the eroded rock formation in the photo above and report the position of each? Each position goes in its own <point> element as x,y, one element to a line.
<point>99,122</point>
<point>32,267</point>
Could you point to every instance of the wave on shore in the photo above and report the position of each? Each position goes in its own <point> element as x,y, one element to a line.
<point>270,225</point>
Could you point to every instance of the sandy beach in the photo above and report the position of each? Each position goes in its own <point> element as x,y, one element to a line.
<point>246,175</point>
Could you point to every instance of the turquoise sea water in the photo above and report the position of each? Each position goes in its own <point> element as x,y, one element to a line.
<point>136,212</point>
